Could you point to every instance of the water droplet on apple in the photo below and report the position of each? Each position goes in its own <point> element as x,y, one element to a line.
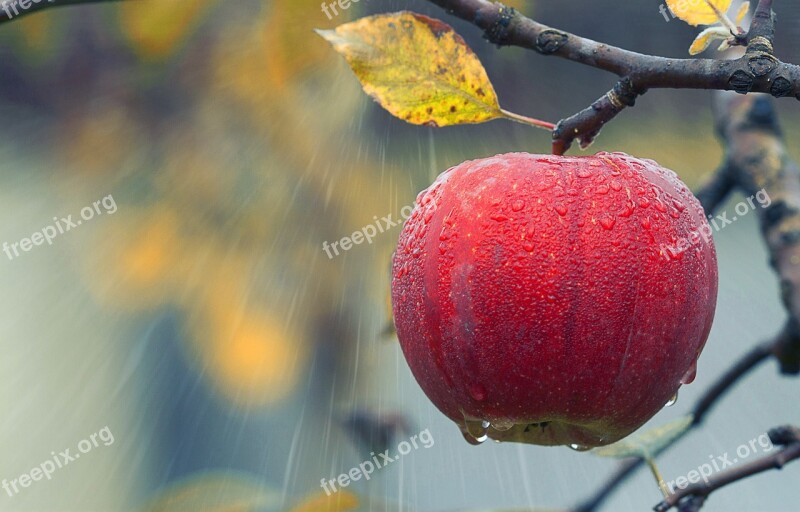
<point>690,375</point>
<point>477,392</point>
<point>675,253</point>
<point>528,246</point>
<point>518,205</point>
<point>607,221</point>
<point>629,208</point>
<point>499,217</point>
<point>502,425</point>
<point>672,400</point>
<point>583,173</point>
<point>580,447</point>
<point>561,209</point>
<point>530,231</point>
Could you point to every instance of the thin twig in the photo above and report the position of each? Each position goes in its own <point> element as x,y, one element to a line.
<point>696,494</point>
<point>756,71</point>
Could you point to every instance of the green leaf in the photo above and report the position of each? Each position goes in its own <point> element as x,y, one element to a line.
<point>647,444</point>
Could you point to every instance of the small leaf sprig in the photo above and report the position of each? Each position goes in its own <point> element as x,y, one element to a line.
<point>714,13</point>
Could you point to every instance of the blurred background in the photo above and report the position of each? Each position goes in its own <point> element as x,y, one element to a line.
<point>235,363</point>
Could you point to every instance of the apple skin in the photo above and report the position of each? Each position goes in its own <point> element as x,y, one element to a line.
<point>563,300</point>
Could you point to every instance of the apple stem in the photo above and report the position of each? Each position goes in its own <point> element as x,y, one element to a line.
<point>528,120</point>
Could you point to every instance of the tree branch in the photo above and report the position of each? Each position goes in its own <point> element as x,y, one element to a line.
<point>11,10</point>
<point>692,498</point>
<point>715,190</point>
<point>756,71</point>
<point>757,160</point>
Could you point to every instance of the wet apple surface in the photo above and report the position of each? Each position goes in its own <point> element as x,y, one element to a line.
<point>554,300</point>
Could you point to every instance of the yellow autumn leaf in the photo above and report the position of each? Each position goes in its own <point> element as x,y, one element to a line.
<point>743,10</point>
<point>215,492</point>
<point>706,37</point>
<point>699,12</point>
<point>417,68</point>
<point>341,501</point>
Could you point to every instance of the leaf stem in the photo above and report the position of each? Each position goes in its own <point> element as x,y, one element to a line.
<point>528,120</point>
<point>724,19</point>
<point>651,463</point>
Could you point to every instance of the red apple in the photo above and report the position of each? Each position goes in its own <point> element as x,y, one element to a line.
<point>554,300</point>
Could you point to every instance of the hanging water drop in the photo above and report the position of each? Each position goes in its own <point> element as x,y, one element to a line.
<point>502,425</point>
<point>471,440</point>
<point>672,400</point>
<point>580,447</point>
<point>475,432</point>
